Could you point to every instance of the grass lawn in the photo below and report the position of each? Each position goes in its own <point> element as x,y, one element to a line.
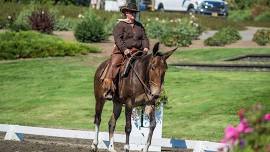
<point>58,92</point>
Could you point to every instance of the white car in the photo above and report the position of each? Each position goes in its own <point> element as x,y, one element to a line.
<point>211,7</point>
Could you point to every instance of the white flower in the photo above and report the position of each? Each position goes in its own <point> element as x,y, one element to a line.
<point>148,19</point>
<point>9,17</point>
<point>157,18</point>
<point>63,16</point>
<point>179,20</point>
<point>80,16</point>
<point>42,12</point>
<point>196,25</point>
<point>163,21</point>
<point>190,13</point>
<point>171,21</point>
<point>192,16</point>
<point>191,22</point>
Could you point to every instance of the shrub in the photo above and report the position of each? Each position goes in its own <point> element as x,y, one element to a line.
<point>263,17</point>
<point>22,21</point>
<point>42,21</point>
<point>3,23</point>
<point>251,134</point>
<point>8,22</point>
<point>28,44</point>
<point>240,15</point>
<point>90,29</point>
<point>156,28</point>
<point>111,24</point>
<point>178,32</point>
<point>65,24</point>
<point>258,9</point>
<point>262,37</point>
<point>224,36</point>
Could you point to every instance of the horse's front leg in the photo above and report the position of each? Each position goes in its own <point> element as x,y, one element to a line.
<point>150,111</point>
<point>99,107</point>
<point>128,112</point>
<point>117,107</point>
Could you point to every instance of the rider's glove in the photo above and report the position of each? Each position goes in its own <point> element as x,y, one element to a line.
<point>145,49</point>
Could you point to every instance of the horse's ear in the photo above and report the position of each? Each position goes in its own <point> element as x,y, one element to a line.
<point>169,53</point>
<point>155,48</point>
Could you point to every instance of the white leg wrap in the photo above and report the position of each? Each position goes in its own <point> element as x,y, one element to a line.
<point>95,141</point>
<point>111,146</point>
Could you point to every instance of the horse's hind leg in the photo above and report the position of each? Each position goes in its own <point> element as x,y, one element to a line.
<point>117,108</point>
<point>150,111</point>
<point>99,107</point>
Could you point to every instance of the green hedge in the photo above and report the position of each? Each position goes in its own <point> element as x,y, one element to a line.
<point>29,44</point>
<point>224,36</point>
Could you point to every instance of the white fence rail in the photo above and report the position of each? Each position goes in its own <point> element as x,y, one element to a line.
<point>16,132</point>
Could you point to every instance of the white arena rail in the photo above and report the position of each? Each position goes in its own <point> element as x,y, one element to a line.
<point>16,132</point>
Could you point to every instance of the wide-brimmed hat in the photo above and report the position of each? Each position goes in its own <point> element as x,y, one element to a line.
<point>129,7</point>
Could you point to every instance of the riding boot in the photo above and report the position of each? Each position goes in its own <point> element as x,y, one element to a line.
<point>109,88</point>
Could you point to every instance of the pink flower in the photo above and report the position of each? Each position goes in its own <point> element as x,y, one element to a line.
<point>243,127</point>
<point>231,135</point>
<point>267,117</point>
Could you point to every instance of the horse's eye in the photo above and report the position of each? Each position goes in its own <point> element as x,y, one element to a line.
<point>153,67</point>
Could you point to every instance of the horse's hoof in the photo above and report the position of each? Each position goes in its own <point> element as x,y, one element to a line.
<point>112,150</point>
<point>144,150</point>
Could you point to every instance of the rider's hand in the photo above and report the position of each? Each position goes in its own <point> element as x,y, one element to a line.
<point>127,52</point>
<point>145,49</point>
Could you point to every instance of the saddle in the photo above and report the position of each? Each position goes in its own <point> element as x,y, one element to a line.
<point>125,66</point>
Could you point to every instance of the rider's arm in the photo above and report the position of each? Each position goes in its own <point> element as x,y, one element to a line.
<point>145,41</point>
<point>118,34</point>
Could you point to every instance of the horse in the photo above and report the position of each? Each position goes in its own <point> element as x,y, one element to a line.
<point>142,87</point>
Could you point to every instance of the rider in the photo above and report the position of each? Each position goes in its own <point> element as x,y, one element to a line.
<point>129,36</point>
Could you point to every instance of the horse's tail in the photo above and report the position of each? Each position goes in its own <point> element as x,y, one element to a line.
<point>99,76</point>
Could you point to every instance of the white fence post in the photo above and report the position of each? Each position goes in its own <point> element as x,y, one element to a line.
<point>139,134</point>
<point>12,134</point>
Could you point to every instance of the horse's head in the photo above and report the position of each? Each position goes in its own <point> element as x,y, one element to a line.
<point>158,66</point>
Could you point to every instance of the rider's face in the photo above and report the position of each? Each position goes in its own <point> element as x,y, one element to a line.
<point>131,15</point>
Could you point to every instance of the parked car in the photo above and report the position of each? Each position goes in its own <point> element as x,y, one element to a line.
<point>213,7</point>
<point>210,7</point>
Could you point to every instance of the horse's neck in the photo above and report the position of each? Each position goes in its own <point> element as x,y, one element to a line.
<point>141,67</point>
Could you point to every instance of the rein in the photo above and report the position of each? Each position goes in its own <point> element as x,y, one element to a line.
<point>147,91</point>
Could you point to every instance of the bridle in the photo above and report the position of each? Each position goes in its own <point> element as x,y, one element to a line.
<point>147,90</point>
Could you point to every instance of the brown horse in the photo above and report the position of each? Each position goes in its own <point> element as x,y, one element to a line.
<point>140,88</point>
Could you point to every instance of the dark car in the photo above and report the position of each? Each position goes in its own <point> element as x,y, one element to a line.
<point>213,8</point>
